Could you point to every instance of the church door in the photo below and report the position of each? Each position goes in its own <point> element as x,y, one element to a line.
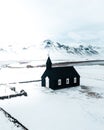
<point>47,82</point>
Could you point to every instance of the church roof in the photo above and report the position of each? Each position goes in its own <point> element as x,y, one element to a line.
<point>60,72</point>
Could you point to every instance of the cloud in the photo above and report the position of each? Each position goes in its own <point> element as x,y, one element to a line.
<point>34,20</point>
<point>64,17</point>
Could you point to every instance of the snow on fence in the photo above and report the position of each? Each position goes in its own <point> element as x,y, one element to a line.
<point>13,120</point>
<point>22,92</point>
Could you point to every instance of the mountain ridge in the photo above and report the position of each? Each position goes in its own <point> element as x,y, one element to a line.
<point>77,50</point>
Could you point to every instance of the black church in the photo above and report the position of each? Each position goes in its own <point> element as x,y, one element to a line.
<point>59,77</point>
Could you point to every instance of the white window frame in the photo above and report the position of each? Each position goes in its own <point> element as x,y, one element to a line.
<point>75,79</point>
<point>67,81</point>
<point>59,82</point>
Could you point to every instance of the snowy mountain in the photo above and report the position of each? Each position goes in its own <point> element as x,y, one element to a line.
<point>56,50</point>
<point>79,50</point>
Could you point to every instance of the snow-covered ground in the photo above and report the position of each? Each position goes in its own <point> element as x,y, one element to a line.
<point>77,108</point>
<point>5,124</point>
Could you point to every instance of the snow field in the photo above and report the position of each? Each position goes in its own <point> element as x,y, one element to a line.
<point>45,109</point>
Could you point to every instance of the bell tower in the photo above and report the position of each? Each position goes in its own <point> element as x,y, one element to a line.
<point>48,63</point>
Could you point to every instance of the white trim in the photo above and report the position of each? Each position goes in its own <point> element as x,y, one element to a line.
<point>59,82</point>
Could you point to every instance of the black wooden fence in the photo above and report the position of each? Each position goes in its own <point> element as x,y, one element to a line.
<point>13,120</point>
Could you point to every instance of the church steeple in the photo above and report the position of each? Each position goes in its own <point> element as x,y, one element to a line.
<point>48,63</point>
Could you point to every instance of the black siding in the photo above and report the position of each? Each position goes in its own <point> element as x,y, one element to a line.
<point>60,73</point>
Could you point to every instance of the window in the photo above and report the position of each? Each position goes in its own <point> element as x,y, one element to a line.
<point>59,82</point>
<point>67,80</point>
<point>75,79</point>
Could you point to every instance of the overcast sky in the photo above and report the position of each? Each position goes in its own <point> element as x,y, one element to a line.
<point>31,21</point>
